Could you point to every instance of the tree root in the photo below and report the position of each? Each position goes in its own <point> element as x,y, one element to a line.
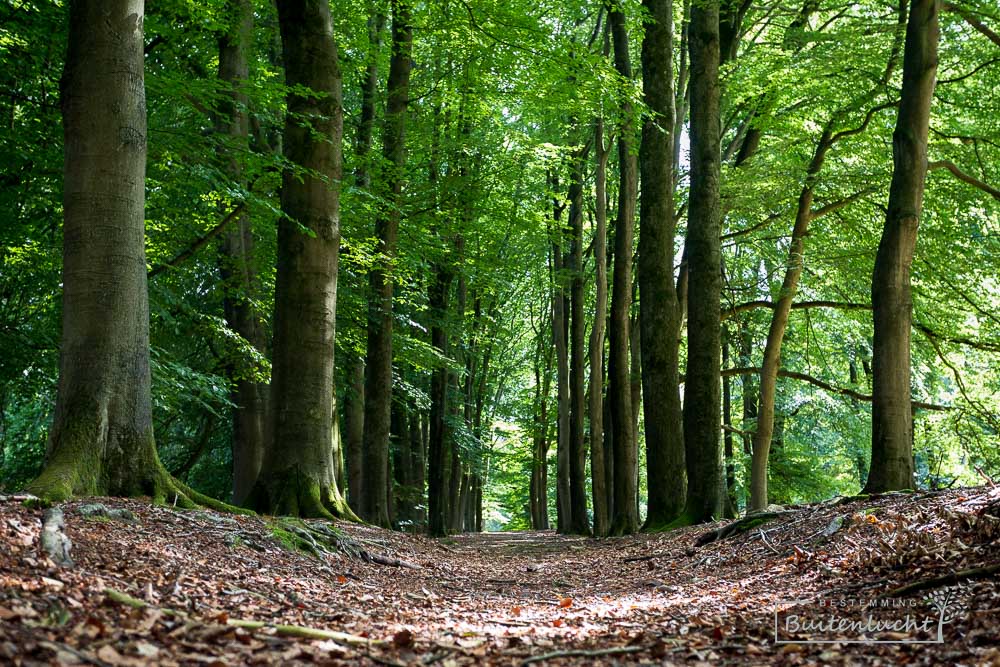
<point>944,580</point>
<point>744,525</point>
<point>299,631</point>
<point>319,539</point>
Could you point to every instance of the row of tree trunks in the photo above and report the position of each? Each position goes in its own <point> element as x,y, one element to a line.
<point>354,396</point>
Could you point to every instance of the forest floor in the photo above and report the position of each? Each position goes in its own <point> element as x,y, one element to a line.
<point>504,598</point>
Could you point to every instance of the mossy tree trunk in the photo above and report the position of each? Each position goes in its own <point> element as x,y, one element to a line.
<point>101,442</point>
<point>299,473</point>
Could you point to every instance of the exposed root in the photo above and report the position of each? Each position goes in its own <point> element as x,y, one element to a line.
<point>319,539</point>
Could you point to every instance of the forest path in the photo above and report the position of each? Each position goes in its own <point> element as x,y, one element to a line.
<point>493,598</point>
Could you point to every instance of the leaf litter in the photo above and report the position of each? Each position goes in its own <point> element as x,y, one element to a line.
<point>197,588</point>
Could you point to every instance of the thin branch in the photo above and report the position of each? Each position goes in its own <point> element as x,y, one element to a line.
<point>864,124</point>
<point>965,178</point>
<point>974,22</point>
<point>972,72</point>
<point>752,305</point>
<point>843,391</point>
<point>199,243</point>
<point>833,207</point>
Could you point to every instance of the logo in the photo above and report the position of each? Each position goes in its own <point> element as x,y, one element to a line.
<point>869,620</point>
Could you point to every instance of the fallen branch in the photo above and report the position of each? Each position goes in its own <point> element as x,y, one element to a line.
<point>299,631</point>
<point>585,653</point>
<point>304,632</point>
<point>79,655</point>
<point>944,580</point>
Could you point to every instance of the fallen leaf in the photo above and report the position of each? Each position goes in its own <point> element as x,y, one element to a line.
<point>566,602</point>
<point>402,639</point>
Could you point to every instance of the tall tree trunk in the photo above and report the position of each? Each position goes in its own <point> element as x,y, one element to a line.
<point>354,430</point>
<point>659,308</point>
<point>596,350</point>
<point>437,493</point>
<point>378,367</point>
<point>559,322</point>
<point>457,409</point>
<point>354,397</point>
<point>101,441</point>
<point>236,262</point>
<point>892,304</point>
<point>417,466</point>
<point>579,524</point>
<point>298,475</point>
<point>625,517</point>
<point>702,399</point>
<point>779,323</point>
<point>730,509</point>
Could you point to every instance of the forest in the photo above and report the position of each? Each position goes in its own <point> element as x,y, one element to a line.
<point>597,267</point>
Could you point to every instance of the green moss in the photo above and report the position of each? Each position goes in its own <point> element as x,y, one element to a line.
<point>288,539</point>
<point>292,492</point>
<point>36,504</point>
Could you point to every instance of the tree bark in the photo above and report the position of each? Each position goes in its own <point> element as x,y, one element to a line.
<point>625,517</point>
<point>578,523</point>
<point>101,441</point>
<point>892,304</point>
<point>437,493</point>
<point>596,351</point>
<point>559,329</point>
<point>298,475</point>
<point>702,397</point>
<point>236,262</point>
<point>354,397</point>
<point>659,309</point>
<point>378,366</point>
<point>779,323</point>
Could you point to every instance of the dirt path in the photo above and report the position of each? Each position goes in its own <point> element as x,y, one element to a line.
<point>498,598</point>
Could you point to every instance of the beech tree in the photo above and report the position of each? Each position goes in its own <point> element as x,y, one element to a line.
<point>378,365</point>
<point>702,389</point>
<point>101,441</point>
<point>660,309</point>
<point>298,476</point>
<point>892,307</point>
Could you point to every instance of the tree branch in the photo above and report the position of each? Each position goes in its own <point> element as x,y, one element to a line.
<point>965,178</point>
<point>199,243</point>
<point>751,305</point>
<point>833,207</point>
<point>843,391</point>
<point>974,22</point>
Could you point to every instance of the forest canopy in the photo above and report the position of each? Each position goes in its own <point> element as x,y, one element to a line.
<point>467,265</point>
